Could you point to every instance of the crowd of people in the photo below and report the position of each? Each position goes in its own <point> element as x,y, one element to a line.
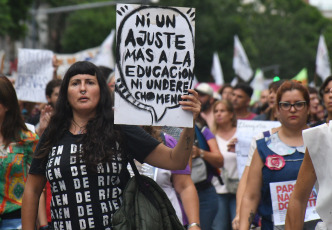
<point>64,164</point>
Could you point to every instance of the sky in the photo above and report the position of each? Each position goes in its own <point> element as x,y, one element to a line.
<point>324,4</point>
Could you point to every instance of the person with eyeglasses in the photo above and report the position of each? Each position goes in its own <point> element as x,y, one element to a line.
<point>278,156</point>
<point>316,168</point>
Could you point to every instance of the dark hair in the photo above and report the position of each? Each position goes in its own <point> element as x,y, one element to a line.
<point>229,108</point>
<point>275,85</point>
<point>245,88</point>
<point>291,85</point>
<point>224,87</point>
<point>312,90</point>
<point>323,86</point>
<point>99,142</point>
<point>13,123</point>
<point>51,85</point>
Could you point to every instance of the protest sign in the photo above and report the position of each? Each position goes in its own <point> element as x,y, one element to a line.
<point>154,64</point>
<point>245,131</point>
<point>280,195</point>
<point>34,71</point>
<point>66,60</point>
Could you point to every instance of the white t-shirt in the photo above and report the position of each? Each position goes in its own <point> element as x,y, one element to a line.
<point>230,164</point>
<point>319,144</point>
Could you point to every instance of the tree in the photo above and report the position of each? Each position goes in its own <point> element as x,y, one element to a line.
<point>12,15</point>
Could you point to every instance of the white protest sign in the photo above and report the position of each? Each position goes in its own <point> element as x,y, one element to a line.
<point>280,195</point>
<point>34,71</point>
<point>245,131</point>
<point>66,60</point>
<point>154,64</point>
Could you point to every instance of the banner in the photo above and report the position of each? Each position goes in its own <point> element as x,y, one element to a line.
<point>66,60</point>
<point>241,63</point>
<point>34,71</point>
<point>245,131</point>
<point>280,195</point>
<point>323,68</point>
<point>216,70</point>
<point>154,64</point>
<point>258,84</point>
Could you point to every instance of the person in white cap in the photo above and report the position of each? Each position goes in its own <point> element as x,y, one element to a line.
<point>205,96</point>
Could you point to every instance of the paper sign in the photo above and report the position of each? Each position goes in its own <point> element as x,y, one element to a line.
<point>144,169</point>
<point>245,131</point>
<point>34,71</point>
<point>280,195</point>
<point>154,64</point>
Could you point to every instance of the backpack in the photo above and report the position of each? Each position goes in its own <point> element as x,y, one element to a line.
<point>145,206</point>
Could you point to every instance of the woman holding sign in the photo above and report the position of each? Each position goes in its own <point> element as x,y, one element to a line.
<point>278,157</point>
<point>82,154</point>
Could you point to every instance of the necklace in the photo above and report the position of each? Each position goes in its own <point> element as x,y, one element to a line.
<point>82,128</point>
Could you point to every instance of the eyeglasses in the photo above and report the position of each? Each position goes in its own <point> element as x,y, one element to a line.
<point>287,106</point>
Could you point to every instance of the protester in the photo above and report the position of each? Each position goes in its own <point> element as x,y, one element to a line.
<point>285,146</point>
<point>242,93</point>
<point>316,167</point>
<point>178,185</point>
<point>17,144</point>
<point>321,112</point>
<point>225,130</point>
<point>314,102</point>
<point>226,92</point>
<point>325,94</point>
<point>205,96</point>
<point>269,113</point>
<point>82,153</point>
<point>205,163</point>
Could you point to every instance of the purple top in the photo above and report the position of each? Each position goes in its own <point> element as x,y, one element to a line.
<point>171,142</point>
<point>207,133</point>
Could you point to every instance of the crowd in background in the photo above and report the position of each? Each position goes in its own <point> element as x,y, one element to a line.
<point>219,200</point>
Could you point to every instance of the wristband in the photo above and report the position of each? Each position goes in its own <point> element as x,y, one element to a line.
<point>201,153</point>
<point>193,224</point>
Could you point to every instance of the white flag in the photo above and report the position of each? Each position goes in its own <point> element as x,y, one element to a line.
<point>105,55</point>
<point>216,70</point>
<point>257,84</point>
<point>241,63</point>
<point>234,81</point>
<point>323,68</point>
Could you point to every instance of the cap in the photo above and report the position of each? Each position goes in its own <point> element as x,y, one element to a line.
<point>216,96</point>
<point>204,88</point>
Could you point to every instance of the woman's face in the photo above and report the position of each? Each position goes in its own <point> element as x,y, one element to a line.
<point>83,94</point>
<point>314,102</point>
<point>272,98</point>
<point>327,97</point>
<point>222,115</point>
<point>293,117</point>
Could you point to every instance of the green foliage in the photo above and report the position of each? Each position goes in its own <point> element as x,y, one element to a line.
<point>13,13</point>
<point>273,32</point>
<point>97,24</point>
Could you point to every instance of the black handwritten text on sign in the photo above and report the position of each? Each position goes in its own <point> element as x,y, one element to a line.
<point>155,56</point>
